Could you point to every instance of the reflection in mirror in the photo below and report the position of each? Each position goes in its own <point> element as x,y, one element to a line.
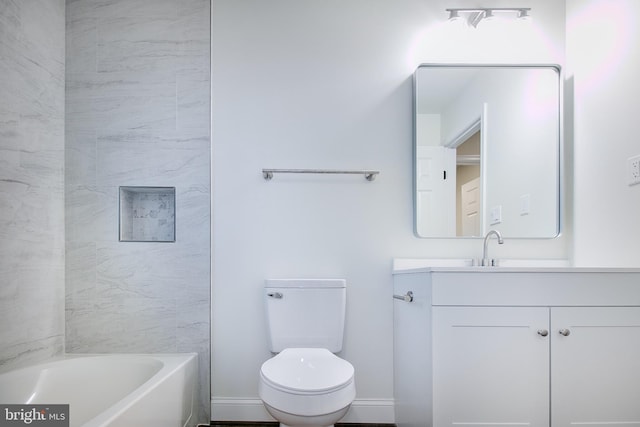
<point>487,150</point>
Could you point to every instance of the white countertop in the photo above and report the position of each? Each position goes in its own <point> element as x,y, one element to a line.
<point>462,265</point>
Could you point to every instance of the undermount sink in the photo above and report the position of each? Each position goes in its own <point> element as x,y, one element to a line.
<point>402,264</point>
<point>533,263</point>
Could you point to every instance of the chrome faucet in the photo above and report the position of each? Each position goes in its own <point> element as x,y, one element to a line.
<point>486,262</point>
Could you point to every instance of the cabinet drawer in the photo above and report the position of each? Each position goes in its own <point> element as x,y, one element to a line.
<point>508,288</point>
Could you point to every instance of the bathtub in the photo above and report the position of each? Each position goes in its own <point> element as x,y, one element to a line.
<point>111,390</point>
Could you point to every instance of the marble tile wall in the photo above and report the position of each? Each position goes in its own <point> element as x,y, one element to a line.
<point>137,114</point>
<point>32,64</point>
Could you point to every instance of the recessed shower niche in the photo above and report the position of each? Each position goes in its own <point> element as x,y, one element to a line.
<point>147,214</point>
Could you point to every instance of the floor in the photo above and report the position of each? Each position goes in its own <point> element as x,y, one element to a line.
<point>252,424</point>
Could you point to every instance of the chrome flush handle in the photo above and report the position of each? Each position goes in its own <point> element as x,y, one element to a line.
<point>408,297</point>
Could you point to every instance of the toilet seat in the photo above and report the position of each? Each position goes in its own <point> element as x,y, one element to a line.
<point>307,382</point>
<point>307,371</point>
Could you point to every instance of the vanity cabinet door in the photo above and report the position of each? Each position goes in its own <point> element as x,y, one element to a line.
<point>490,366</point>
<point>595,366</point>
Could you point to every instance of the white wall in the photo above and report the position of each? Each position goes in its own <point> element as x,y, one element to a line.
<point>428,129</point>
<point>326,84</point>
<point>604,58</point>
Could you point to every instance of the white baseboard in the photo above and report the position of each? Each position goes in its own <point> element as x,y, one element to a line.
<point>238,409</point>
<point>230,409</point>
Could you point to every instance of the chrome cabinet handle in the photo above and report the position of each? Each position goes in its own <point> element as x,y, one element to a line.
<point>543,332</point>
<point>408,297</point>
<point>277,295</point>
<point>564,332</point>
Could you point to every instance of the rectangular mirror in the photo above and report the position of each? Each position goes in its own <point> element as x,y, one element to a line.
<point>487,144</point>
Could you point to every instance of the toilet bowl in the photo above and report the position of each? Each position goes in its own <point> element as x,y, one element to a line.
<point>305,384</point>
<point>308,387</point>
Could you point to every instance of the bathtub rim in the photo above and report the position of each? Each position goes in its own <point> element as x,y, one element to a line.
<point>171,363</point>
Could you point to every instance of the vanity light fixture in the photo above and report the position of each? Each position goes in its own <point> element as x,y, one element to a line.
<point>475,16</point>
<point>454,14</point>
<point>524,14</point>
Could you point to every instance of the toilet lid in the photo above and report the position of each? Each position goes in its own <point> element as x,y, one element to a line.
<point>307,370</point>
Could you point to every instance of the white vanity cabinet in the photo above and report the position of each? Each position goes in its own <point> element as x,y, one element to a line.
<point>512,347</point>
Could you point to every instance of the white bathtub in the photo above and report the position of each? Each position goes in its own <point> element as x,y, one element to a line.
<point>111,390</point>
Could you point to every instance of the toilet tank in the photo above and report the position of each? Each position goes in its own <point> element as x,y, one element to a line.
<point>305,313</point>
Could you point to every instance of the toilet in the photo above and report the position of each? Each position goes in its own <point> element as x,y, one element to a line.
<point>305,383</point>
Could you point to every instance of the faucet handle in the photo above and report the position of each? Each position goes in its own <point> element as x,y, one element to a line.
<point>489,262</point>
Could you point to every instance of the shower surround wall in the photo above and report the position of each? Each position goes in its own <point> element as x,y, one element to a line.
<point>137,114</point>
<point>31,181</point>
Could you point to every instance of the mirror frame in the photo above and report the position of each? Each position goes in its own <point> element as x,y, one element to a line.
<point>560,184</point>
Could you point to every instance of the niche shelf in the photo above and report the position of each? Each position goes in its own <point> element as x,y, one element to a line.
<point>147,214</point>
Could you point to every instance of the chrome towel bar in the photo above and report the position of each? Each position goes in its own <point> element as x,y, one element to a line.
<point>370,175</point>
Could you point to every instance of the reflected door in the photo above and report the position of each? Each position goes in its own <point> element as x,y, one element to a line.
<point>470,208</point>
<point>435,185</point>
